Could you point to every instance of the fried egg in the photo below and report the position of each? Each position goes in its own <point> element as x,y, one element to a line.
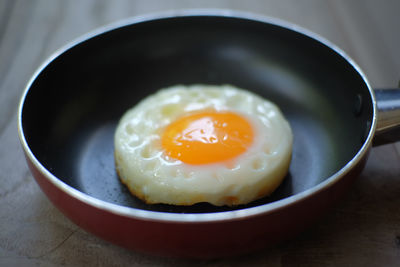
<point>202,143</point>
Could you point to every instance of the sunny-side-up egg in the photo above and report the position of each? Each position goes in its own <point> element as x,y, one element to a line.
<point>201,143</point>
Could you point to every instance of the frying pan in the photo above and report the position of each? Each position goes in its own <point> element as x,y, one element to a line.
<point>72,104</point>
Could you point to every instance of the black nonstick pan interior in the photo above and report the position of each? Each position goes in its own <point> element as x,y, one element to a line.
<point>74,105</point>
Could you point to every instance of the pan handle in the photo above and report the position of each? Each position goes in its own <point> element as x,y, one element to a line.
<point>388,123</point>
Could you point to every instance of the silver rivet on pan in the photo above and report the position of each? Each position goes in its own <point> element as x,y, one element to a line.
<point>358,105</point>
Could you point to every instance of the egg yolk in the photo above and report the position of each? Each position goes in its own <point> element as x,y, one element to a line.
<point>207,137</point>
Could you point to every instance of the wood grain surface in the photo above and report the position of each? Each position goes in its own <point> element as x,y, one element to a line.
<point>363,230</point>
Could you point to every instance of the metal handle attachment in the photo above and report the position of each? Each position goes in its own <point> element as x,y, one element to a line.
<point>388,123</point>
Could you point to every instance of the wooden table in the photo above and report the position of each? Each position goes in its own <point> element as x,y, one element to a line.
<point>363,230</point>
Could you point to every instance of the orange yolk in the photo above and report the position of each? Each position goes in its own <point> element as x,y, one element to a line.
<point>207,137</point>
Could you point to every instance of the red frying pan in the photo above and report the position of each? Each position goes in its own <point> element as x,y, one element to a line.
<point>70,108</point>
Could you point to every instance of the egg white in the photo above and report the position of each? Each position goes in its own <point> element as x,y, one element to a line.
<point>151,175</point>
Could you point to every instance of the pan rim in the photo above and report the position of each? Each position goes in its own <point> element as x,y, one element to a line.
<point>223,216</point>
